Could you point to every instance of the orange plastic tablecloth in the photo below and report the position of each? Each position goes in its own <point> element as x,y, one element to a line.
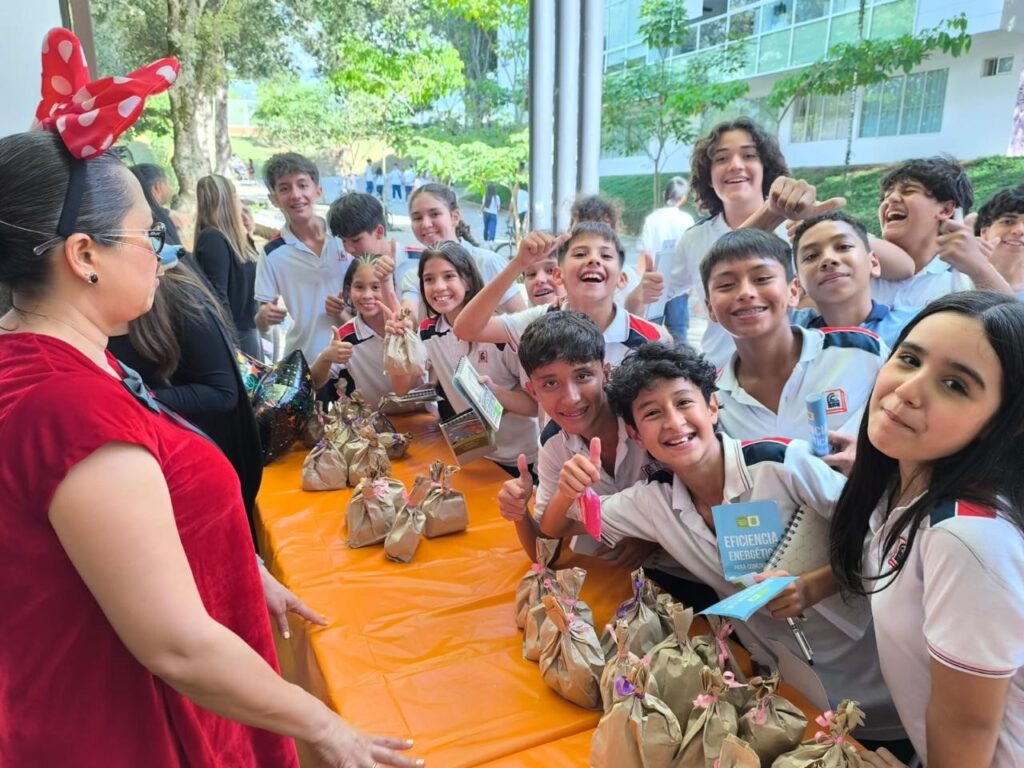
<point>427,650</point>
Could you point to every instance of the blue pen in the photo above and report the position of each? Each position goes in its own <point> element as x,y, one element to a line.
<point>818,422</point>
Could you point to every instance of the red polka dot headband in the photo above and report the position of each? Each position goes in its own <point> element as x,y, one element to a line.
<point>90,116</point>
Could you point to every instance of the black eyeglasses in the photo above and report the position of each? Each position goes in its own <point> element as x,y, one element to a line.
<point>157,235</point>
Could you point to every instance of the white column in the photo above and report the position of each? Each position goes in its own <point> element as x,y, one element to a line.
<point>591,76</point>
<point>541,103</point>
<point>567,109</point>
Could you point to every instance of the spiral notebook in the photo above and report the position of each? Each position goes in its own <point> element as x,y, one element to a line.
<point>805,547</point>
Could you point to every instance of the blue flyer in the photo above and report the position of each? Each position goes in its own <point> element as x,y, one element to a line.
<point>748,533</point>
<point>747,601</point>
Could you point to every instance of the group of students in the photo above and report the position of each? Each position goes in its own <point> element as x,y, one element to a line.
<point>924,486</point>
<point>402,182</point>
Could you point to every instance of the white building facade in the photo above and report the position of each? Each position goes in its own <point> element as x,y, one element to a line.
<point>962,106</point>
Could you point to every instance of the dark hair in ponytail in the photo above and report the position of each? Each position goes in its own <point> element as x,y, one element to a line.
<point>447,196</point>
<point>988,471</point>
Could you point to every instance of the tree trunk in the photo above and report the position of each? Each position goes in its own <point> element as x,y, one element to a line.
<point>221,138</point>
<point>861,10</point>
<point>189,101</point>
<point>1016,148</point>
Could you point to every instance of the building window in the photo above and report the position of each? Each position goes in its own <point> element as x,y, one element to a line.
<point>905,105</point>
<point>820,118</point>
<point>1000,66</point>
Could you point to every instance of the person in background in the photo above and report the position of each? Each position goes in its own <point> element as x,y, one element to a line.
<point>368,176</point>
<point>378,182</point>
<point>492,204</point>
<point>184,352</point>
<point>522,205</point>
<point>1000,226</point>
<point>226,255</point>
<point>662,230</point>
<point>158,193</point>
<point>395,177</point>
<point>125,517</point>
<point>408,179</point>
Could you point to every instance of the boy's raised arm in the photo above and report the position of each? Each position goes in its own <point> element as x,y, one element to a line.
<point>895,263</point>
<point>477,321</point>
<point>577,475</point>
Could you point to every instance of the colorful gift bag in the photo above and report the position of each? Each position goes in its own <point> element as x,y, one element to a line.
<point>831,747</point>
<point>639,731</point>
<point>773,725</point>
<point>570,659</point>
<point>283,405</point>
<point>711,719</point>
<point>676,667</point>
<point>529,590</point>
<point>367,457</point>
<point>640,611</point>
<point>324,468</point>
<point>252,372</point>
<point>444,507</point>
<point>405,355</point>
<point>370,513</point>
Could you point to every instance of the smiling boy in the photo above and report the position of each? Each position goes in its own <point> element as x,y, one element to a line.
<point>1000,225</point>
<point>763,389</point>
<point>921,201</point>
<point>835,264</point>
<point>562,353</point>
<point>590,261</point>
<point>664,395</point>
<point>303,265</point>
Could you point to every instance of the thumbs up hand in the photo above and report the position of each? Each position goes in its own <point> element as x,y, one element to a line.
<point>514,494</point>
<point>581,472</point>
<point>652,283</point>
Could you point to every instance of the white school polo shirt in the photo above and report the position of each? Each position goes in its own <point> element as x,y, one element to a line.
<point>289,269</point>
<point>716,344</point>
<point>365,369</point>
<point>784,471</point>
<point>516,434</point>
<point>626,331</point>
<point>957,600</point>
<point>488,264</point>
<point>839,363</point>
<point>632,464</point>
<point>936,279</point>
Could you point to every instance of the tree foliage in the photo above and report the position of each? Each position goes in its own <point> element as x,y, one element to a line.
<point>648,107</point>
<point>473,163</point>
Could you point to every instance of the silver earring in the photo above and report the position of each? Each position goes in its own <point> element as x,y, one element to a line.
<point>93,278</point>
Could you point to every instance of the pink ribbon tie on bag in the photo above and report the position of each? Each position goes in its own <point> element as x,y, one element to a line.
<point>826,720</point>
<point>723,647</point>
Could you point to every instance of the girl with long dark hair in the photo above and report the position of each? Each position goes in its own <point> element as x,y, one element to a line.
<point>931,526</point>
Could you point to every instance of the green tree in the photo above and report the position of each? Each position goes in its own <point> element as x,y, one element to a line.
<point>648,107</point>
<point>472,164</point>
<point>850,67</point>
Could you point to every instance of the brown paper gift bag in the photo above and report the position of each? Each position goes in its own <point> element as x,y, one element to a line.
<point>640,730</point>
<point>324,468</point>
<point>773,725</point>
<point>716,652</point>
<point>405,355</point>
<point>570,659</point>
<point>640,611</point>
<point>831,747</point>
<point>396,444</point>
<point>368,457</point>
<point>353,409</point>
<point>404,537</point>
<point>620,664</point>
<point>565,585</point>
<point>712,718</point>
<point>736,753</point>
<point>528,590</point>
<point>371,511</point>
<point>676,667</point>
<point>444,507</point>
<point>313,433</point>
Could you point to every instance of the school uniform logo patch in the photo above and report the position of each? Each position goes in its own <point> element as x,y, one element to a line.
<point>835,401</point>
<point>482,356</point>
<point>900,554</point>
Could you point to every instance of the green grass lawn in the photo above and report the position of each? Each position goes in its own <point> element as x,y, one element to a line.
<point>988,175</point>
